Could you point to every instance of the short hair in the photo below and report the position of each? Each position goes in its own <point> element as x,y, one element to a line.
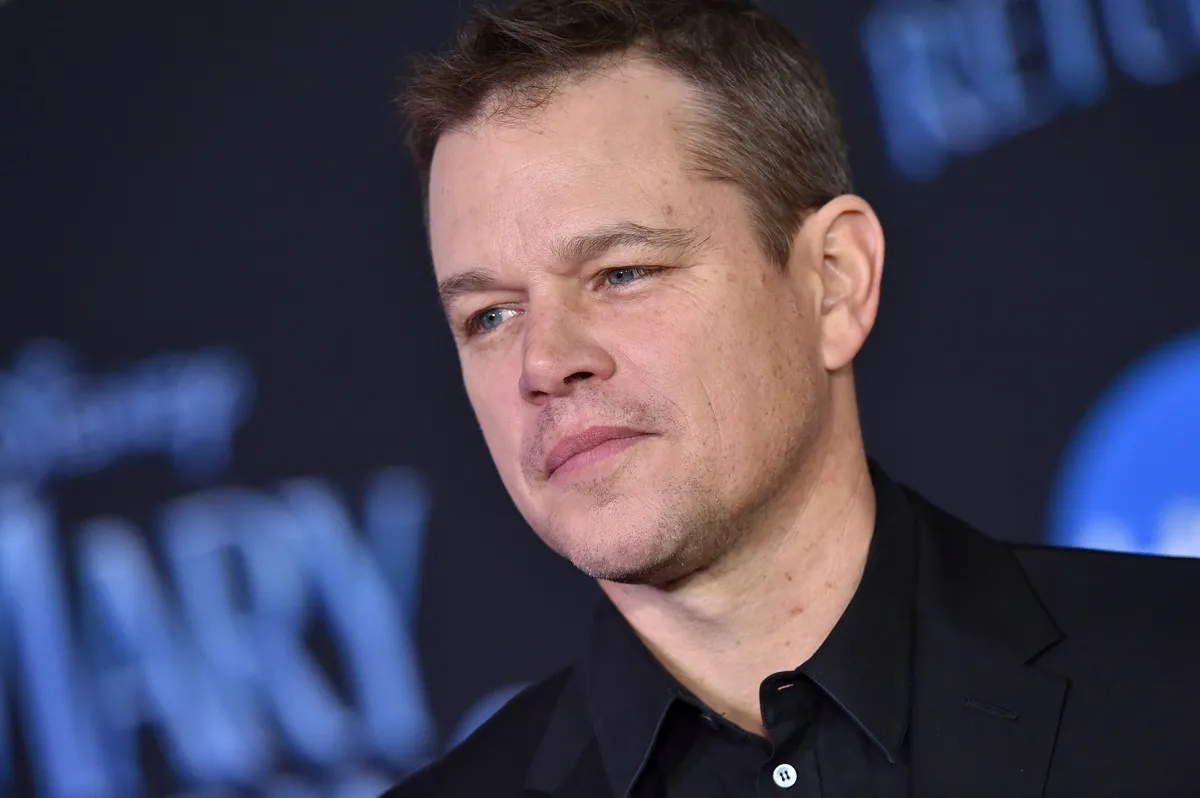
<point>766,121</point>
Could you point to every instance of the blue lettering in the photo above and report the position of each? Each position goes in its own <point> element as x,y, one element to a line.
<point>1140,42</point>
<point>250,570</point>
<point>146,669</point>
<point>902,49</point>
<point>65,750</point>
<point>395,511</point>
<point>296,553</point>
<point>262,645</point>
<point>1073,48</point>
<point>362,784</point>
<point>953,79</point>
<point>988,58</point>
<point>291,787</point>
<point>54,420</point>
<point>377,653</point>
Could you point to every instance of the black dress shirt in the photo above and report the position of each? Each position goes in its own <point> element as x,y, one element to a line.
<point>1036,672</point>
<point>836,725</point>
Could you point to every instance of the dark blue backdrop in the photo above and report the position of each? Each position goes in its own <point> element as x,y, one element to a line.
<point>251,542</point>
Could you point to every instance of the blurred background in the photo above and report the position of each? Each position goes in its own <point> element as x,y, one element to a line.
<point>251,542</point>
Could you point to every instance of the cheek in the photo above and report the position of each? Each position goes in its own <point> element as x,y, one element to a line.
<point>752,368</point>
<point>496,406</point>
<point>707,345</point>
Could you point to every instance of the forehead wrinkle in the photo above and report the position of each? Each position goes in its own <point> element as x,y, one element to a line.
<point>556,183</point>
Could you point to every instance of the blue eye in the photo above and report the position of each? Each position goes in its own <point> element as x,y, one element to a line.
<point>617,277</point>
<point>489,319</point>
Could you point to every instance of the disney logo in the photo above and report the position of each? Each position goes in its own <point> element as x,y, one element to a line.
<point>57,421</point>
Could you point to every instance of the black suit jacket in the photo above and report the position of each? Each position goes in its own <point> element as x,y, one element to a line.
<point>1038,671</point>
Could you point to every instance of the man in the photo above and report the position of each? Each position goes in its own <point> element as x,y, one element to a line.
<point>642,226</point>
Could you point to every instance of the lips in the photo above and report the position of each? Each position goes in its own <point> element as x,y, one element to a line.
<point>587,440</point>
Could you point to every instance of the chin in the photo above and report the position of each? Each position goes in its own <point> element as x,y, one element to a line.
<point>660,574</point>
<point>647,555</point>
<point>644,537</point>
<point>631,571</point>
<point>615,552</point>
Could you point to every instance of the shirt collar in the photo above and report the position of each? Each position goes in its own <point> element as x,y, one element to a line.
<point>864,666</point>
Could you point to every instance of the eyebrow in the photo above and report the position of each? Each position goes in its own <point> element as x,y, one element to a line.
<point>579,249</point>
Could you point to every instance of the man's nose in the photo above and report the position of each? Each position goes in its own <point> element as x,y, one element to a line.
<point>560,353</point>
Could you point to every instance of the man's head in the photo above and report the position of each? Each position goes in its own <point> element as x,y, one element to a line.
<point>642,232</point>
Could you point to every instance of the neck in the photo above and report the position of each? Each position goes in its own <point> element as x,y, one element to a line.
<point>769,604</point>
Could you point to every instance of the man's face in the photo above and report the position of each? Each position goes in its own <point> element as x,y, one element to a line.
<point>598,288</point>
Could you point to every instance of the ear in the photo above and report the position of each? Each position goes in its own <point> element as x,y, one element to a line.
<point>844,244</point>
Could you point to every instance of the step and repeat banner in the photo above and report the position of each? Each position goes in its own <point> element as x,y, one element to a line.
<point>251,543</point>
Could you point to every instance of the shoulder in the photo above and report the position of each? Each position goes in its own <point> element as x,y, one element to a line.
<point>1131,594</point>
<point>1099,593</point>
<point>1110,607</point>
<point>1130,650</point>
<point>495,758</point>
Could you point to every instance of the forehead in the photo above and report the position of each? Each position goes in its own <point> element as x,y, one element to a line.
<point>606,148</point>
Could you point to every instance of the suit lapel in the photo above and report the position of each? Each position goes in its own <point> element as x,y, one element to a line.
<point>984,718</point>
<point>567,762</point>
<point>584,781</point>
<point>583,778</point>
<point>984,724</point>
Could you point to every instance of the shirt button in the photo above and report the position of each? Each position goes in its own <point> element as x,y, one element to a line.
<point>785,775</point>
